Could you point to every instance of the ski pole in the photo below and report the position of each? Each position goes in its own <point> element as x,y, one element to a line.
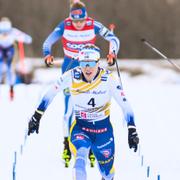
<point>112,27</point>
<point>160,53</point>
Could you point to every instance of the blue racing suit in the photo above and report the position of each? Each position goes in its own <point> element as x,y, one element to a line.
<point>99,137</point>
<point>92,127</point>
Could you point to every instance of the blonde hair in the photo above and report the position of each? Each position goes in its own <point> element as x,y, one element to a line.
<point>76,4</point>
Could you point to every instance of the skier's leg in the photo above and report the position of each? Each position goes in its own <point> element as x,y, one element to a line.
<point>10,73</point>
<point>9,58</point>
<point>80,163</point>
<point>10,80</point>
<point>105,163</point>
<point>80,145</point>
<point>103,149</point>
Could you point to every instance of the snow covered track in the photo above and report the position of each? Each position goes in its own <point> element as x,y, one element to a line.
<point>155,100</point>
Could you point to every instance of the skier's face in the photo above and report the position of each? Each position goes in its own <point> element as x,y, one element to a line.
<point>79,24</point>
<point>90,70</point>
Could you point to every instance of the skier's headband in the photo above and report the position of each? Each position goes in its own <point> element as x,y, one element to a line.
<point>89,54</point>
<point>78,13</point>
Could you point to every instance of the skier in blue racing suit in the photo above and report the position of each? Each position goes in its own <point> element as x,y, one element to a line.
<point>8,37</point>
<point>91,89</point>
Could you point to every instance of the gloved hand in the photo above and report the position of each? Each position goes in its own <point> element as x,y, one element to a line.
<point>49,60</point>
<point>133,139</point>
<point>111,59</point>
<point>34,122</point>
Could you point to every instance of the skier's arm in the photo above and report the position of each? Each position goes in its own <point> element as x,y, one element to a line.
<point>52,39</point>
<point>21,36</point>
<point>118,94</point>
<point>62,83</point>
<point>107,35</point>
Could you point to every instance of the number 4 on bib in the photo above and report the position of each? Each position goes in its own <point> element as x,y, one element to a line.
<point>92,102</point>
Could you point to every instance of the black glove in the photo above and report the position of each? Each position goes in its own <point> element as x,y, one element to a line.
<point>133,139</point>
<point>49,60</point>
<point>33,124</point>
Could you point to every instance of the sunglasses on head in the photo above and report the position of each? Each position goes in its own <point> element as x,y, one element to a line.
<point>88,63</point>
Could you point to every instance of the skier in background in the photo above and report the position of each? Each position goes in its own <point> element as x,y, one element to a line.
<point>8,36</point>
<point>91,89</point>
<point>76,31</point>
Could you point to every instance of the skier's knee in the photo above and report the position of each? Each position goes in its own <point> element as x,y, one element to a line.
<point>81,157</point>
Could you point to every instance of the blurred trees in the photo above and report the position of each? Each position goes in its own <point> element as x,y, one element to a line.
<point>155,20</point>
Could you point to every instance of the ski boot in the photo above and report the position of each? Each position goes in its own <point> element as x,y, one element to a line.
<point>91,158</point>
<point>66,153</point>
<point>11,92</point>
<point>104,179</point>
